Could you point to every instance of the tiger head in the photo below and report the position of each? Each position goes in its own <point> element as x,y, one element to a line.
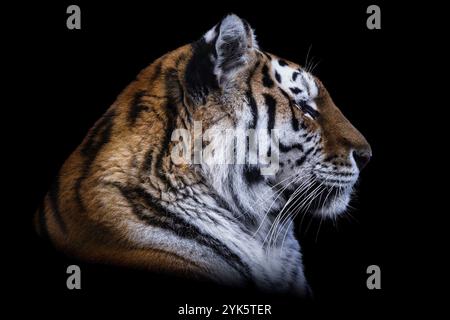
<point>316,153</point>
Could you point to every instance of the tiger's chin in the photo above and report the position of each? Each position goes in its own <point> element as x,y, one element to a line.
<point>332,201</point>
<point>335,206</point>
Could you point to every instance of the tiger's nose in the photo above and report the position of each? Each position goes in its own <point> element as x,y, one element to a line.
<point>362,156</point>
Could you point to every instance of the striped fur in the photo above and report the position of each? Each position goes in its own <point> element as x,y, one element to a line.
<point>120,199</point>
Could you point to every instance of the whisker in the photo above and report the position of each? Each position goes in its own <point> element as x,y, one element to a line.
<point>308,200</point>
<point>300,189</point>
<point>273,202</point>
<point>295,213</point>
<point>275,223</point>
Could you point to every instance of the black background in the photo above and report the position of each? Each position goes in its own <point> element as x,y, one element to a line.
<point>68,78</point>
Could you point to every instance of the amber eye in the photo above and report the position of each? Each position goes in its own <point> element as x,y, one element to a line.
<point>303,105</point>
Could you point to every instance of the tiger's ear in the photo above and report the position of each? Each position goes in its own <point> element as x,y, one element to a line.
<point>218,57</point>
<point>233,41</point>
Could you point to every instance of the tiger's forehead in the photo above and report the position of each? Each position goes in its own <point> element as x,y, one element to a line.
<point>294,80</point>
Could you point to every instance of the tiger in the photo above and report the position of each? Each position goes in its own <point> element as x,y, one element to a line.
<point>120,198</point>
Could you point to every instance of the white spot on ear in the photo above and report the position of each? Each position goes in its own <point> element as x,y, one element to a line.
<point>210,35</point>
<point>254,41</point>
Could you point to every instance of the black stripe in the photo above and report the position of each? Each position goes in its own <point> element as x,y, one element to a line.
<point>187,111</point>
<point>53,195</point>
<point>252,174</point>
<point>266,79</point>
<point>136,107</point>
<point>300,161</point>
<point>140,201</point>
<point>254,110</point>
<point>174,95</point>
<point>271,106</point>
<point>287,194</point>
<point>317,151</point>
<point>294,120</point>
<point>221,202</point>
<point>295,90</point>
<point>199,76</point>
<point>156,71</point>
<point>277,76</point>
<point>267,55</point>
<point>171,110</point>
<point>284,148</point>
<point>309,151</point>
<point>98,136</point>
<point>148,160</point>
<point>308,109</point>
<point>164,146</point>
<point>251,99</point>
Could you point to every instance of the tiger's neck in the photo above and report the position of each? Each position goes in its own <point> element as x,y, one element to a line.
<point>233,249</point>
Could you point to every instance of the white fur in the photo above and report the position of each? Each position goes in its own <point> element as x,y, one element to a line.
<point>304,81</point>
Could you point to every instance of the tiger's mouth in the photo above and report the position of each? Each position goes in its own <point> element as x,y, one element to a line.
<point>323,197</point>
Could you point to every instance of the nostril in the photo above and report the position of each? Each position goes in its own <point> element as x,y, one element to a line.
<point>361,158</point>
